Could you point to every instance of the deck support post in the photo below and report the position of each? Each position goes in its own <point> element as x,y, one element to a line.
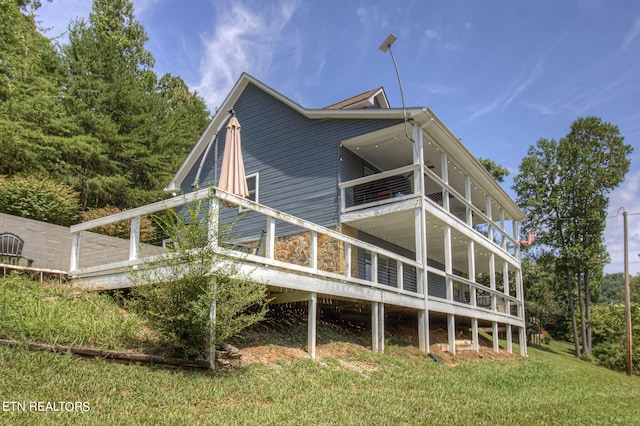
<point>522,340</point>
<point>451,328</point>
<point>496,342</point>
<point>311,324</point>
<point>377,327</point>
<point>475,344</point>
<point>423,330</point>
<point>509,339</point>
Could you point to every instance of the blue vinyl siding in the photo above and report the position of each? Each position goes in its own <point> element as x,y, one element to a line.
<point>297,159</point>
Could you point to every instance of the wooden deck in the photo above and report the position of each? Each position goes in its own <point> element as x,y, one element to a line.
<point>291,280</point>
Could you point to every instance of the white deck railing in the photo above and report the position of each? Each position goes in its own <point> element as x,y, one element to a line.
<point>349,245</point>
<point>407,272</point>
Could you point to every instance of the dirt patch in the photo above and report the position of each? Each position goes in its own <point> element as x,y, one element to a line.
<point>271,344</point>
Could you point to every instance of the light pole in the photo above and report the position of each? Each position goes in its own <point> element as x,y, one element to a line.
<point>627,286</point>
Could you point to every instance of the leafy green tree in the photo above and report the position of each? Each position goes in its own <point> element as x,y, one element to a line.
<point>39,198</point>
<point>563,188</point>
<point>496,170</point>
<point>544,310</point>
<point>177,291</point>
<point>140,127</point>
<point>609,335</point>
<point>33,122</point>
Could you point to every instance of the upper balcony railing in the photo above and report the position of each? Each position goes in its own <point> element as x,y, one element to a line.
<point>398,184</point>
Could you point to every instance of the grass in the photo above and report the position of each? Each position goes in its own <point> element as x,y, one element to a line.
<point>550,387</point>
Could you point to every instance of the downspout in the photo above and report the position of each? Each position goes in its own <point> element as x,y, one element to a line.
<point>196,181</point>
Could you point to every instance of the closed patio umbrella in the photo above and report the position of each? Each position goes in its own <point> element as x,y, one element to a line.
<point>232,176</point>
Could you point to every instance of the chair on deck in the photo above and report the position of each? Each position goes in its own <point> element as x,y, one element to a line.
<point>11,249</point>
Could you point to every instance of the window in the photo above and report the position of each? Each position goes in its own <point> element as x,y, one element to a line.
<point>252,186</point>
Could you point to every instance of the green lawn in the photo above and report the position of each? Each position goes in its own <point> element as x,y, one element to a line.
<point>550,387</point>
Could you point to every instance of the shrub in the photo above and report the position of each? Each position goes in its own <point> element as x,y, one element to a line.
<point>177,292</point>
<point>39,198</point>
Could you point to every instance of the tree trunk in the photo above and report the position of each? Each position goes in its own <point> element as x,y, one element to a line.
<point>587,301</point>
<point>572,312</point>
<point>583,326</point>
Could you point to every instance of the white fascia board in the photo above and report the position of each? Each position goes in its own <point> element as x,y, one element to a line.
<point>470,163</point>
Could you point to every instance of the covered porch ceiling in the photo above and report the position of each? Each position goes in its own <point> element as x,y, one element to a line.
<point>390,148</point>
<point>398,228</point>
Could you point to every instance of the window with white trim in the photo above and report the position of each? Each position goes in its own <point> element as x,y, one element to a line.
<point>252,186</point>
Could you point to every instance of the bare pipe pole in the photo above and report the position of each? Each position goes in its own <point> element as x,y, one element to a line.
<point>627,287</point>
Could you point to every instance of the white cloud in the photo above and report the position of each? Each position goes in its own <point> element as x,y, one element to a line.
<point>512,92</point>
<point>244,40</point>
<point>632,34</point>
<point>438,89</point>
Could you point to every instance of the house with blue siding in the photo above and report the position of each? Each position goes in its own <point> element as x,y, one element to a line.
<point>360,206</point>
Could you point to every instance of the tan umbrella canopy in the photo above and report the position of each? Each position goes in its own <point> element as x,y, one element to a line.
<point>232,176</point>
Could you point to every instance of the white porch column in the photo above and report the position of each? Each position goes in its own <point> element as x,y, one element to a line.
<point>444,163</point>
<point>475,343</point>
<point>448,267</point>
<point>507,304</point>
<point>467,196</point>
<point>420,228</point>
<point>311,324</point>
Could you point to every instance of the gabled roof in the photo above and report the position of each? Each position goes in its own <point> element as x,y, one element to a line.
<point>245,79</point>
<point>364,100</point>
<point>421,116</point>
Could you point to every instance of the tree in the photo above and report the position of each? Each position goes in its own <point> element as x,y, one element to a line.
<point>544,310</point>
<point>177,291</point>
<point>140,127</point>
<point>563,188</point>
<point>33,122</point>
<point>497,171</point>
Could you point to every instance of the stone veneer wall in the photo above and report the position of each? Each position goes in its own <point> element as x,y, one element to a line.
<point>296,249</point>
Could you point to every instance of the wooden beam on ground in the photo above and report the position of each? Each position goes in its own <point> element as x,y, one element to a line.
<point>114,355</point>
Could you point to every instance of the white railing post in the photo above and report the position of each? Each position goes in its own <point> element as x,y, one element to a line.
<point>400,275</point>
<point>214,214</point>
<point>343,199</point>
<point>374,267</point>
<point>270,238</point>
<point>75,252</point>
<point>347,260</point>
<point>134,238</point>
<point>313,251</point>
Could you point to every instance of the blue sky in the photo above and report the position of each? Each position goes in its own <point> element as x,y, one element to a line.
<point>500,74</point>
